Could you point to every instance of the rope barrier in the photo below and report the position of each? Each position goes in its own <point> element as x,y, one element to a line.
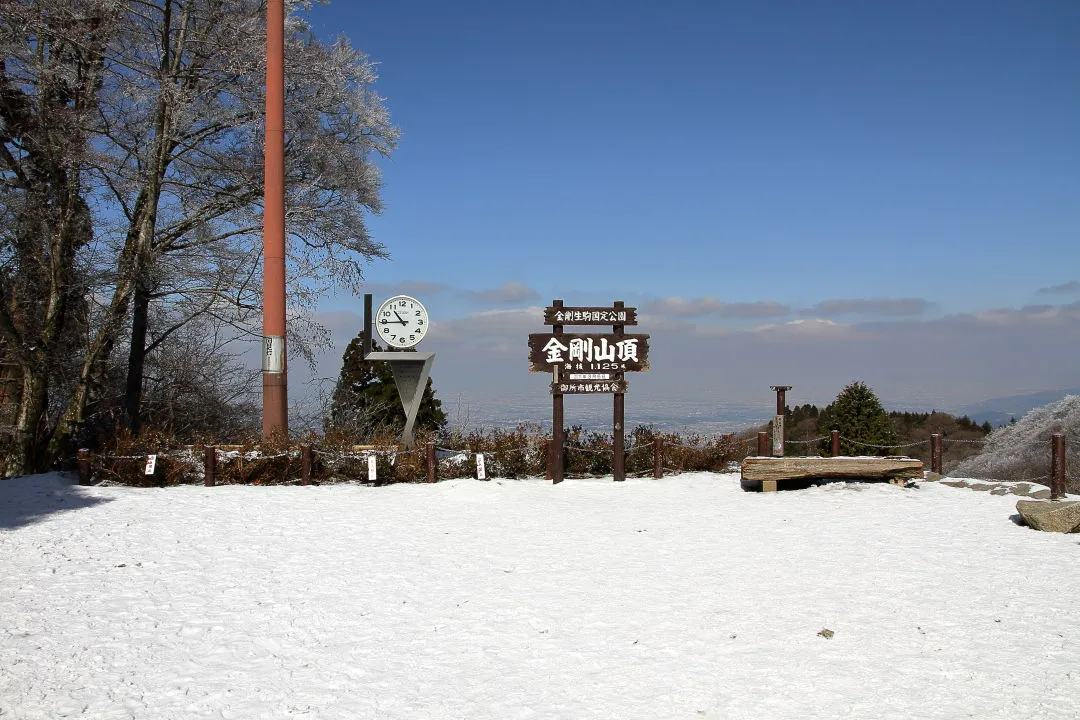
<point>694,448</point>
<point>884,447</point>
<point>356,455</point>
<point>589,450</point>
<point>727,446</point>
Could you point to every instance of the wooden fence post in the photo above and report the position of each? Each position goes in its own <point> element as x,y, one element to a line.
<point>935,453</point>
<point>834,443</point>
<point>658,458</point>
<point>432,474</point>
<point>209,466</point>
<point>1057,466</point>
<point>762,444</point>
<point>305,464</point>
<point>84,467</point>
<point>550,475</point>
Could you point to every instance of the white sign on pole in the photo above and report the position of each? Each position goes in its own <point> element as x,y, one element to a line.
<point>151,463</point>
<point>481,470</point>
<point>273,354</point>
<point>371,474</point>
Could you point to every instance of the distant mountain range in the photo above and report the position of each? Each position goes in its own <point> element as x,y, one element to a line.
<point>999,411</point>
<point>705,416</point>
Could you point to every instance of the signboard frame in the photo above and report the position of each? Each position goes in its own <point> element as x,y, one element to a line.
<point>599,359</point>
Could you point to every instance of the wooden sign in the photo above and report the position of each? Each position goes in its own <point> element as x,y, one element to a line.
<point>589,388</point>
<point>592,352</point>
<point>590,316</point>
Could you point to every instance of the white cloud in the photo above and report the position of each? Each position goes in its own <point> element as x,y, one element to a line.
<point>1063,289</point>
<point>676,306</point>
<point>509,293</point>
<point>885,307</point>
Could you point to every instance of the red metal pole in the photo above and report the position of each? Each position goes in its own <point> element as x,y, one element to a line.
<point>275,392</point>
<point>84,467</point>
<point>1057,466</point>
<point>209,466</point>
<point>935,453</point>
<point>305,464</point>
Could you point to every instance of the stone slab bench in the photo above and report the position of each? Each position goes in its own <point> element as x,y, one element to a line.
<point>765,473</point>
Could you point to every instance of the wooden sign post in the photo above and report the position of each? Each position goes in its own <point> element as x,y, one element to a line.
<point>587,364</point>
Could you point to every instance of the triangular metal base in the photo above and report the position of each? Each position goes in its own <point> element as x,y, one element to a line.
<point>411,372</point>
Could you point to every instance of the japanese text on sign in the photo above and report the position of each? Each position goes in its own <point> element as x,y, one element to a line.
<point>589,353</point>
<point>590,316</point>
<point>572,388</point>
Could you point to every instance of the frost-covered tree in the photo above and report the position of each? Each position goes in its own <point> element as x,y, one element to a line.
<point>131,138</point>
<point>181,160</point>
<point>1021,450</point>
<point>52,59</point>
<point>366,402</point>
<point>858,415</point>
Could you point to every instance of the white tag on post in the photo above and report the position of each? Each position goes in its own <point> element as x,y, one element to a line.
<point>371,469</point>
<point>151,463</point>
<point>481,470</point>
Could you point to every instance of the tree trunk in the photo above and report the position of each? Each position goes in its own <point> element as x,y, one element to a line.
<point>137,358</point>
<point>23,457</point>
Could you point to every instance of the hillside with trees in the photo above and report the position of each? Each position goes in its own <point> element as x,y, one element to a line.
<point>866,428</point>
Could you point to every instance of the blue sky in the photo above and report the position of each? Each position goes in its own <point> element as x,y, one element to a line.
<point>880,170</point>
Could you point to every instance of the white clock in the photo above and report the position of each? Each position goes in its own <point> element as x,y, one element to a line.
<point>402,321</point>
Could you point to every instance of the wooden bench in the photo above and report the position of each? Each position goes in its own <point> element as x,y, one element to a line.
<point>764,473</point>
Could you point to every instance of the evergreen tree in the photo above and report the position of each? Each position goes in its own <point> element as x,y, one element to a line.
<point>858,415</point>
<point>366,401</point>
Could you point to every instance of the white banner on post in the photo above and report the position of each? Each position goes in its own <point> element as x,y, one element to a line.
<point>481,470</point>
<point>151,463</point>
<point>371,471</point>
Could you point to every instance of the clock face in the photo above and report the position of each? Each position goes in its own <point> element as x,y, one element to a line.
<point>402,321</point>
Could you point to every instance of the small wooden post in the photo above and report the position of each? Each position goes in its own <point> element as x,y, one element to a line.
<point>618,463</point>
<point>431,464</point>
<point>935,453</point>
<point>548,446</point>
<point>834,443</point>
<point>556,417</point>
<point>762,444</point>
<point>657,458</point>
<point>209,466</point>
<point>84,467</point>
<point>1057,466</point>
<point>305,464</point>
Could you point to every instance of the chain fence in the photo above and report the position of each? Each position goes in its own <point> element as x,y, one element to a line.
<point>649,455</point>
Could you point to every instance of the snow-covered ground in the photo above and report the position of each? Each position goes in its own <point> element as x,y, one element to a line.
<point>676,598</point>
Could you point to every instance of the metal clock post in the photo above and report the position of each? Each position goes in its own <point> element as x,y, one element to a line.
<point>411,370</point>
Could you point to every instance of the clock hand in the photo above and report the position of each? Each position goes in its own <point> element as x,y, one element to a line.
<point>399,318</point>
